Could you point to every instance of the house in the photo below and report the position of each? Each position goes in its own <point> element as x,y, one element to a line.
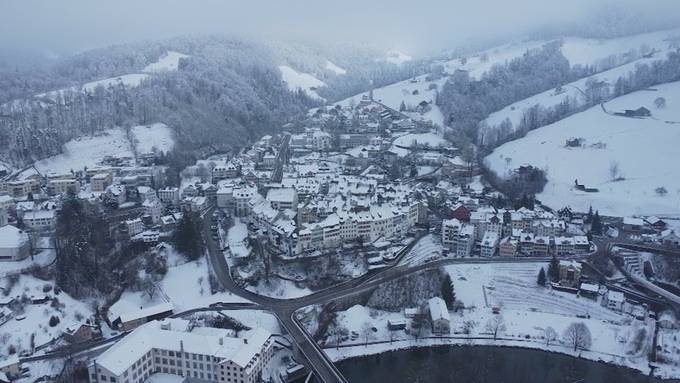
<point>570,273</point>
<point>169,195</point>
<point>589,290</point>
<point>508,247</point>
<point>671,239</point>
<point>4,217</point>
<point>99,182</point>
<point>79,332</point>
<point>39,219</point>
<point>130,320</point>
<point>283,198</point>
<point>667,320</point>
<point>40,299</point>
<point>466,240</point>
<point>639,112</point>
<point>11,366</point>
<point>489,244</point>
<point>615,300</point>
<point>656,223</point>
<point>134,226</point>
<point>439,316</point>
<point>450,230</point>
<point>633,224</point>
<point>14,244</point>
<point>396,324</point>
<point>411,312</point>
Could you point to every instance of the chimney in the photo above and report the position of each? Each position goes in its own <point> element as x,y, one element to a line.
<point>181,346</point>
<point>221,341</point>
<point>245,340</point>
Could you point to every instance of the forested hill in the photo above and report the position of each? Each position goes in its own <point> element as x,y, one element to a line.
<point>224,91</point>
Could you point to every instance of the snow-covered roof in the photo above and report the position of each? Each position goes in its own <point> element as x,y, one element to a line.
<point>11,237</point>
<point>633,221</point>
<point>615,296</point>
<point>145,312</point>
<point>152,335</point>
<point>438,309</point>
<point>590,287</point>
<point>281,195</point>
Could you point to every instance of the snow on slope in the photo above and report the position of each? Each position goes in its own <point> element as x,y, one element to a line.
<point>397,57</point>
<point>87,151</point>
<point>392,95</point>
<point>148,137</point>
<point>298,80</point>
<point>577,50</point>
<point>574,91</point>
<point>644,149</point>
<point>334,68</point>
<point>410,140</point>
<point>168,62</point>
<point>591,51</point>
<point>129,80</point>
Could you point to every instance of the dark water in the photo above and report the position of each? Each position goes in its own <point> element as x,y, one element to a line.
<point>481,364</point>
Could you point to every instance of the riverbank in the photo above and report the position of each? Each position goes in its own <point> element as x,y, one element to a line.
<point>482,363</point>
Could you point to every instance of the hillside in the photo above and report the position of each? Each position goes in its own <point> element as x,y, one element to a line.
<point>643,149</point>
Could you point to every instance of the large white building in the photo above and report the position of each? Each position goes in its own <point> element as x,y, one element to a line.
<point>14,244</point>
<point>173,347</point>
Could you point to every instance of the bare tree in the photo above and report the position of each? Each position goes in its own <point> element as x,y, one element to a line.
<point>614,171</point>
<point>660,102</point>
<point>495,325</point>
<point>550,335</point>
<point>367,331</point>
<point>577,335</point>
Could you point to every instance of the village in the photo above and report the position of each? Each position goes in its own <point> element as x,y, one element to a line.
<point>346,193</point>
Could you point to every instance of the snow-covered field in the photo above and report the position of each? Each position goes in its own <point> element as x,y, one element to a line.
<point>392,95</point>
<point>397,57</point>
<point>34,320</point>
<point>43,258</point>
<point>299,80</point>
<point>87,151</point>
<point>279,288</point>
<point>167,62</point>
<point>237,237</point>
<point>334,68</point>
<point>148,137</point>
<point>573,91</point>
<point>643,149</point>
<point>526,310</point>
<point>416,139</point>
<point>186,286</point>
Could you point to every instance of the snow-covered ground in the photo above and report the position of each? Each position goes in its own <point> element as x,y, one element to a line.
<point>87,151</point>
<point>394,94</point>
<point>237,237</point>
<point>299,80</point>
<point>186,286</point>
<point>167,62</point>
<point>279,288</point>
<point>427,249</point>
<point>334,68</point>
<point>148,137</point>
<point>43,258</point>
<point>573,91</point>
<point>416,139</point>
<point>643,149</point>
<point>525,308</point>
<point>34,318</point>
<point>256,319</point>
<point>397,57</point>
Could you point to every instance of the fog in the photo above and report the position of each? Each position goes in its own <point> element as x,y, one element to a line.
<point>412,26</point>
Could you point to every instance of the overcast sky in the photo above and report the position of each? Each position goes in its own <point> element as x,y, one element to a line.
<point>413,26</point>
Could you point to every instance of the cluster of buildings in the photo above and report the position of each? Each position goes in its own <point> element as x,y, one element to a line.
<point>485,231</point>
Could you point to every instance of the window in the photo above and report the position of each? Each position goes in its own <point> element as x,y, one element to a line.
<point>171,353</point>
<point>165,361</point>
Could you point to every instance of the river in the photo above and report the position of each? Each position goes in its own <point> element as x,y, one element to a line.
<point>483,364</point>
